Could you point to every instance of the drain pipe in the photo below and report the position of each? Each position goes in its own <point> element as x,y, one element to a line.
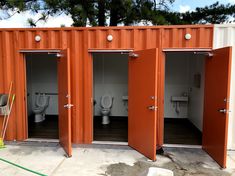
<point>24,168</point>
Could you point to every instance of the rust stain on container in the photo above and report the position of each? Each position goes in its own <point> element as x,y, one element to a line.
<point>79,41</point>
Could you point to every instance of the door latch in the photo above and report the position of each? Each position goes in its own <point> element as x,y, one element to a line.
<point>68,106</point>
<point>152,108</point>
<point>224,111</point>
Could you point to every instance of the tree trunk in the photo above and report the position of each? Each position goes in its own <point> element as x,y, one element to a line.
<point>101,12</point>
<point>114,12</point>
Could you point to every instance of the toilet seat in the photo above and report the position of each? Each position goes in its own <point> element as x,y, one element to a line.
<point>106,101</point>
<point>106,105</point>
<point>41,104</point>
<point>41,100</point>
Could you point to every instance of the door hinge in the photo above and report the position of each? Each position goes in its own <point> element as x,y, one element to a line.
<point>133,55</point>
<point>59,55</point>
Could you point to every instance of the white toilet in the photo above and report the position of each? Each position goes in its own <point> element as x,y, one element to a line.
<point>106,105</point>
<point>41,104</point>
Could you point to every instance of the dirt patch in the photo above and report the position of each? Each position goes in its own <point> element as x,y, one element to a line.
<point>140,168</point>
<point>127,170</point>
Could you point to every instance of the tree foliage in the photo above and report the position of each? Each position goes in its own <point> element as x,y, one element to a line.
<point>116,12</point>
<point>89,12</point>
<point>213,14</point>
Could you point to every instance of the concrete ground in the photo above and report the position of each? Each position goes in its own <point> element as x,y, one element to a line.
<point>106,160</point>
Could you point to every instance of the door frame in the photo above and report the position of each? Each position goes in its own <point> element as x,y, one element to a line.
<point>161,95</point>
<point>23,86</point>
<point>89,121</point>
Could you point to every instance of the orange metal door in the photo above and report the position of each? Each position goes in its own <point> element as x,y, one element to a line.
<point>64,97</point>
<point>215,121</point>
<point>142,102</point>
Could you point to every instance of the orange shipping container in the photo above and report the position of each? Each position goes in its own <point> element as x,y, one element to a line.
<point>78,45</point>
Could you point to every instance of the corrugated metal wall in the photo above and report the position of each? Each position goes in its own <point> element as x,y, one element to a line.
<point>79,40</point>
<point>224,35</point>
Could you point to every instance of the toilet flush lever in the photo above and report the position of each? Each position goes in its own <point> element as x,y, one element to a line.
<point>152,108</point>
<point>68,106</point>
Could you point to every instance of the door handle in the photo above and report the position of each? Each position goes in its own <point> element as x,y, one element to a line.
<point>68,106</point>
<point>152,108</point>
<point>224,111</point>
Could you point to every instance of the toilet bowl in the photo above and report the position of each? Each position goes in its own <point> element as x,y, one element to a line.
<point>41,104</point>
<point>106,105</point>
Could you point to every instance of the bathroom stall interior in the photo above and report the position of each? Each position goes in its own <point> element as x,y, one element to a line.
<point>110,97</point>
<point>42,95</point>
<point>184,97</point>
